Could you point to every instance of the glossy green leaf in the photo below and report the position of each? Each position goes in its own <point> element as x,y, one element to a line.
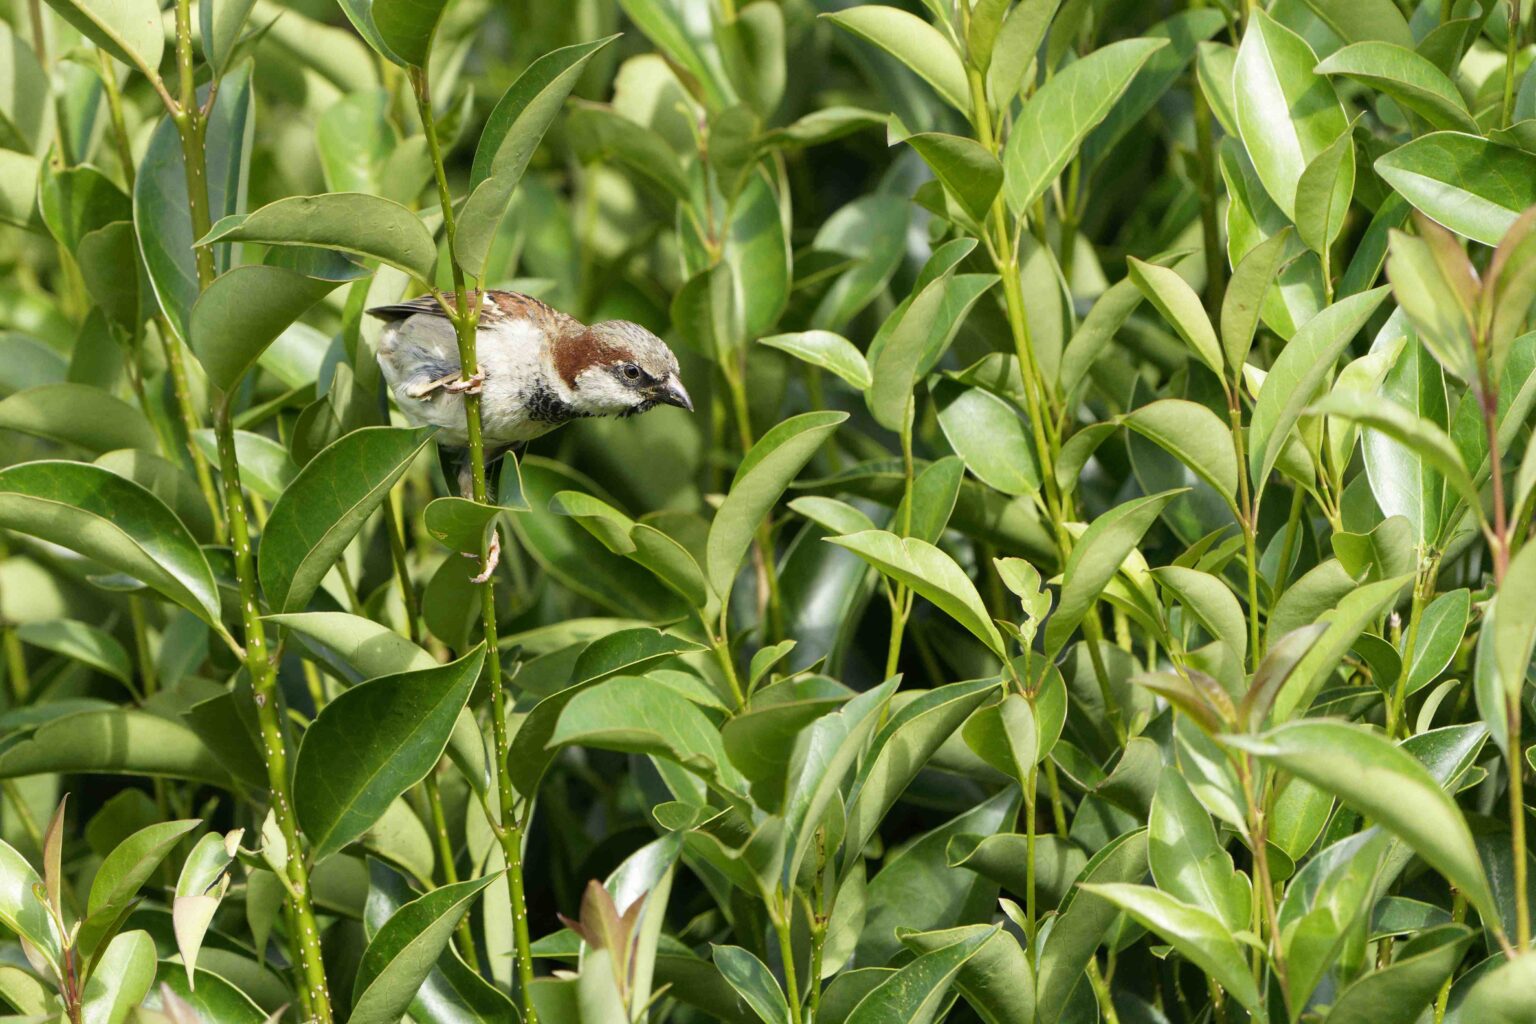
<point>970,173</point>
<point>1323,194</point>
<point>1244,298</point>
<point>1188,860</point>
<point>1178,304</point>
<point>760,480</point>
<point>509,139</point>
<point>988,434</point>
<point>1287,113</point>
<point>754,982</point>
<point>932,574</point>
<point>325,506</point>
<point>121,979</point>
<point>1096,558</point>
<point>826,350</point>
<point>1423,437</point>
<point>915,43</point>
<point>352,222</point>
<point>916,992</point>
<point>371,744</point>
<point>1396,994</point>
<point>1195,436</point>
<point>113,521</point>
<point>112,741</point>
<point>129,30</point>
<point>1410,79</point>
<point>1056,120</point>
<point>82,642</point>
<point>80,415</point>
<point>243,312</point>
<point>1296,376</point>
<point>1472,186</point>
<point>1377,779</point>
<point>22,911</point>
<point>403,952</point>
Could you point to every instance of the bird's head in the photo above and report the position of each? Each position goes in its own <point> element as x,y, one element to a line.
<point>617,368</point>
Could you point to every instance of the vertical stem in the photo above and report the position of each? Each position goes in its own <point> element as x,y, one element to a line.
<point>397,554</point>
<point>1511,50</point>
<point>1517,826</point>
<point>1031,786</point>
<point>147,680</point>
<point>1258,828</point>
<point>1248,517</point>
<point>1210,230</point>
<point>1423,586</point>
<point>510,826</point>
<point>783,922</point>
<point>258,664</point>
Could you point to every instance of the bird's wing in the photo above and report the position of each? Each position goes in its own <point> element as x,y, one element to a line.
<point>495,307</point>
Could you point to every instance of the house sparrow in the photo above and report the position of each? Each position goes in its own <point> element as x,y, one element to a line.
<point>538,369</point>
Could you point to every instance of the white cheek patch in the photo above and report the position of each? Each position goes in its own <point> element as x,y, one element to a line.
<point>599,391</point>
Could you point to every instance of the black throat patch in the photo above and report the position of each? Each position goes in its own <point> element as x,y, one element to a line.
<point>544,406</point>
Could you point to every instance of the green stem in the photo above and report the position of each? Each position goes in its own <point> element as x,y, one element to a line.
<point>1511,50</point>
<point>1423,586</point>
<point>148,682</point>
<point>465,317</point>
<point>1102,991</point>
<point>1248,515</point>
<point>783,921</point>
<point>1517,827</point>
<point>445,854</point>
<point>258,665</point>
<point>1458,914</point>
<point>397,554</point>
<point>1210,228</point>
<point>1031,787</point>
<point>1258,829</point>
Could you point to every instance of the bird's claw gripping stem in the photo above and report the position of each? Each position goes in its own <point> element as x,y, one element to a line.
<point>492,558</point>
<point>470,385</point>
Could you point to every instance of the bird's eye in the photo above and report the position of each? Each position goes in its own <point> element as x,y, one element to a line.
<point>630,371</point>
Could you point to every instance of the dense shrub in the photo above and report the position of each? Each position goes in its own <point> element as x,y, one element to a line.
<point>1092,583</point>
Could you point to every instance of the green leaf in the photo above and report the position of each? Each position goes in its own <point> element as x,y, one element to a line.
<point>760,480</point>
<point>161,214</point>
<point>1409,78</point>
<point>1513,625</point>
<point>1297,374</point>
<point>1240,306</point>
<point>1349,615</point>
<point>640,715</point>
<point>78,414</point>
<point>129,30</point>
<point>930,573</point>
<point>1083,918</point>
<point>1441,628</point>
<point>511,135</point>
<point>1188,860</point>
<point>911,736</point>
<point>639,542</point>
<point>22,911</point>
<point>1324,192</point>
<point>243,312</point>
<point>916,992</point>
<point>1195,436</point>
<point>970,173</point>
<point>752,980</point>
<point>371,744</point>
<point>213,998</point>
<point>1013,54</point>
<point>220,25</point>
<point>1426,439</point>
<point>1470,185</point>
<point>1502,995</point>
<point>1286,112</point>
<point>1056,120</point>
<point>827,350</point>
<point>1384,783</point>
<point>125,870</point>
<point>407,27</point>
<point>112,741</point>
<point>403,952</point>
<point>120,980</point>
<point>988,434</point>
<point>1181,307</point>
<point>1198,936</point>
<point>1399,992</point>
<point>914,338</point>
<point>113,521</point>
<point>352,222</point>
<point>1096,558</point>
<point>78,200</point>
<point>915,43</point>
<point>325,506</point>
<point>84,643</point>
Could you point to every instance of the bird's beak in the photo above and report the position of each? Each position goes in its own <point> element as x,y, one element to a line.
<point>673,393</point>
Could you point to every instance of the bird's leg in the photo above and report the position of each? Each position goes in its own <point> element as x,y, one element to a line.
<point>492,557</point>
<point>470,385</point>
